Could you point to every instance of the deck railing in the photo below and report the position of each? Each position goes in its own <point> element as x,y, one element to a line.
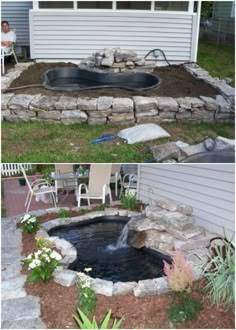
<point>13,169</point>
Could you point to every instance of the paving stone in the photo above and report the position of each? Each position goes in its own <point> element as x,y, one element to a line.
<point>87,104</point>
<point>185,234</point>
<point>178,220</point>
<point>151,287</point>
<point>193,149</point>
<point>144,104</point>
<point>9,271</point>
<point>11,239</point>
<point>35,323</point>
<point>66,103</point>
<point>20,309</point>
<point>102,287</point>
<point>167,104</point>
<point>5,99</point>
<point>164,151</point>
<point>54,115</point>
<point>120,288</point>
<point>224,105</point>
<point>66,277</point>
<point>13,288</point>
<point>123,104</point>
<point>104,103</point>
<point>43,102</point>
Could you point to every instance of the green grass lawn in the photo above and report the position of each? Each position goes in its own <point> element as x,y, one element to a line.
<point>45,143</point>
<point>218,60</point>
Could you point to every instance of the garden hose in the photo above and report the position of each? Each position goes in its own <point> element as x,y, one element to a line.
<point>22,87</point>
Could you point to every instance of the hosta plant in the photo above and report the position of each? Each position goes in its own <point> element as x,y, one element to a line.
<point>87,296</point>
<point>128,200</point>
<point>84,323</point>
<point>29,224</point>
<point>42,264</point>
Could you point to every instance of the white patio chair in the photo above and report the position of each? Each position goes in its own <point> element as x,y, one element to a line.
<point>98,186</point>
<point>131,184</point>
<point>115,176</point>
<point>65,185</point>
<point>36,188</point>
<point>3,55</point>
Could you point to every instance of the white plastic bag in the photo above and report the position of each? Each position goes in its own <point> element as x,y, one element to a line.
<point>142,133</point>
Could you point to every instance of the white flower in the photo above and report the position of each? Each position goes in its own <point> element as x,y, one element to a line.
<point>55,255</point>
<point>32,265</point>
<point>88,269</point>
<point>32,220</point>
<point>38,253</point>
<point>30,256</point>
<point>25,218</point>
<point>46,249</point>
<point>37,262</point>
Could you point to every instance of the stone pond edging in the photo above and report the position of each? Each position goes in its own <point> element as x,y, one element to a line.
<point>117,110</point>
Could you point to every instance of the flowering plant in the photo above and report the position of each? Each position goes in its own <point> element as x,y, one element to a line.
<point>29,224</point>
<point>87,296</point>
<point>42,264</point>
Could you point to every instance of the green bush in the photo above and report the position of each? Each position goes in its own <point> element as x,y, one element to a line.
<point>84,323</point>
<point>63,213</point>
<point>220,275</point>
<point>128,200</point>
<point>100,207</point>
<point>84,211</point>
<point>87,296</point>
<point>29,224</point>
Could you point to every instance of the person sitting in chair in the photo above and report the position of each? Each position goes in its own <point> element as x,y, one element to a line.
<point>8,37</point>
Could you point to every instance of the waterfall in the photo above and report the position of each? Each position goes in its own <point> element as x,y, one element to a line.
<point>121,241</point>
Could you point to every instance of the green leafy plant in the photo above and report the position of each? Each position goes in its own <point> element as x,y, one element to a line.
<point>63,213</point>
<point>29,224</point>
<point>84,323</point>
<point>128,200</point>
<point>183,307</point>
<point>84,211</point>
<point>87,296</point>
<point>42,264</point>
<point>100,207</point>
<point>220,274</point>
<point>41,243</point>
<point>180,278</point>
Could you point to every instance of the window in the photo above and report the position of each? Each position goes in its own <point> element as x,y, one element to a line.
<point>133,5</point>
<point>233,10</point>
<point>94,4</point>
<point>56,4</point>
<point>171,5</point>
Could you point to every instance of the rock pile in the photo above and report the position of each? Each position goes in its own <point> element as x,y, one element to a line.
<point>113,59</point>
<point>167,227</point>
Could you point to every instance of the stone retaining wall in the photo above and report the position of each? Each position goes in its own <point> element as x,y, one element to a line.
<point>121,111</point>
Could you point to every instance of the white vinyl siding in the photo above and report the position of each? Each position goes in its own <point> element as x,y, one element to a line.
<point>17,14</point>
<point>208,188</point>
<point>73,34</point>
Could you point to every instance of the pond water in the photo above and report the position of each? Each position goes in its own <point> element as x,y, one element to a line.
<point>101,244</point>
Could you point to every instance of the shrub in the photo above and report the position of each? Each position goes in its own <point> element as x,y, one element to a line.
<point>29,224</point>
<point>87,296</point>
<point>63,213</point>
<point>84,323</point>
<point>220,274</point>
<point>84,211</point>
<point>180,275</point>
<point>100,207</point>
<point>42,265</point>
<point>128,200</point>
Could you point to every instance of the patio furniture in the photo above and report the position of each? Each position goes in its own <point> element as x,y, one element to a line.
<point>99,184</point>
<point>3,55</point>
<point>37,188</point>
<point>67,181</point>
<point>115,176</point>
<point>129,183</point>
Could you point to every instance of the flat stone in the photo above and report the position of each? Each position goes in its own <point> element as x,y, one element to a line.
<point>195,102</point>
<point>35,323</point>
<point>111,212</point>
<point>209,144</point>
<point>87,104</point>
<point>99,114</point>
<point>120,288</point>
<point>167,104</point>
<point>74,114</point>
<point>167,204</point>
<point>130,64</point>
<point>193,149</point>
<point>104,103</point>
<point>202,114</point>
<point>184,115</point>
<point>145,224</point>
<point>102,287</point>
<point>151,287</point>
<point>167,115</point>
<point>150,113</point>
<point>185,234</point>
<point>148,119</point>
<point>20,101</point>
<point>66,103</point>
<point>164,151</point>
<point>5,99</point>
<point>144,104</point>
<point>97,121</point>
<point>121,117</point>
<point>54,115</point>
<point>224,105</point>
<point>184,104</point>
<point>123,213</point>
<point>11,270</point>
<point>222,143</point>
<point>43,102</point>
<point>107,61</point>
<point>125,54</point>
<point>210,103</point>
<point>185,209</point>
<point>181,144</point>
<point>122,104</point>
<point>65,278</point>
<point>223,116</point>
<point>13,288</point>
<point>197,242</point>
<point>178,220</point>
<point>20,309</point>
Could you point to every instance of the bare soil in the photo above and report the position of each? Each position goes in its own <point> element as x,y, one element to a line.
<point>176,82</point>
<point>58,304</point>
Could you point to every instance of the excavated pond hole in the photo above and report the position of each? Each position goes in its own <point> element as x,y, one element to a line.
<point>101,244</point>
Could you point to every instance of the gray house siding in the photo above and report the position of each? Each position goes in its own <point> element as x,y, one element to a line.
<point>208,188</point>
<point>17,13</point>
<point>222,20</point>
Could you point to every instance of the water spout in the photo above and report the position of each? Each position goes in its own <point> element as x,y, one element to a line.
<point>121,241</point>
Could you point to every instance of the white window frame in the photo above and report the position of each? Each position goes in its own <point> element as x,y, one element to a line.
<point>152,10</point>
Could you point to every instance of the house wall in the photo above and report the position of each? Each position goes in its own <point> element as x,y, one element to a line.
<point>222,20</point>
<point>17,13</point>
<point>208,188</point>
<point>74,34</point>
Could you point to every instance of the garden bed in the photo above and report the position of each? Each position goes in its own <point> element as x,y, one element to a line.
<point>58,303</point>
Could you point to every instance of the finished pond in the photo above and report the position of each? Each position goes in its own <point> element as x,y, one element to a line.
<point>101,245</point>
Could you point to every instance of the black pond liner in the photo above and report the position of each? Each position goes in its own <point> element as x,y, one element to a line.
<point>223,156</point>
<point>75,79</point>
<point>92,238</point>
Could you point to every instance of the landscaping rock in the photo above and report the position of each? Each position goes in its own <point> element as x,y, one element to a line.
<point>20,101</point>
<point>136,239</point>
<point>197,242</point>
<point>165,151</point>
<point>43,102</point>
<point>122,118</point>
<point>224,105</point>
<point>167,204</point>
<point>167,104</point>
<point>87,104</point>
<point>150,113</point>
<point>54,115</point>
<point>145,224</point>
<point>184,115</point>
<point>65,278</point>
<point>178,220</point>
<point>210,103</point>
<point>185,209</point>
<point>125,55</point>
<point>203,115</point>
<point>209,144</point>
<point>5,99</point>
<point>151,287</point>
<point>20,309</point>
<point>144,104</point>
<point>104,103</point>
<point>167,116</point>
<point>185,234</point>
<point>35,323</point>
<point>96,121</point>
<point>66,103</point>
<point>99,114</point>
<point>222,143</point>
<point>193,149</point>
<point>79,116</point>
<point>184,104</point>
<point>102,287</point>
<point>13,288</point>
<point>122,105</point>
<point>9,271</point>
<point>120,288</point>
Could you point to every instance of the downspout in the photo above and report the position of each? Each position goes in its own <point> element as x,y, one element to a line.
<point>197,29</point>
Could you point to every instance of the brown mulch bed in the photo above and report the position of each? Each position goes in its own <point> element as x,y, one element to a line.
<point>176,82</point>
<point>58,304</point>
